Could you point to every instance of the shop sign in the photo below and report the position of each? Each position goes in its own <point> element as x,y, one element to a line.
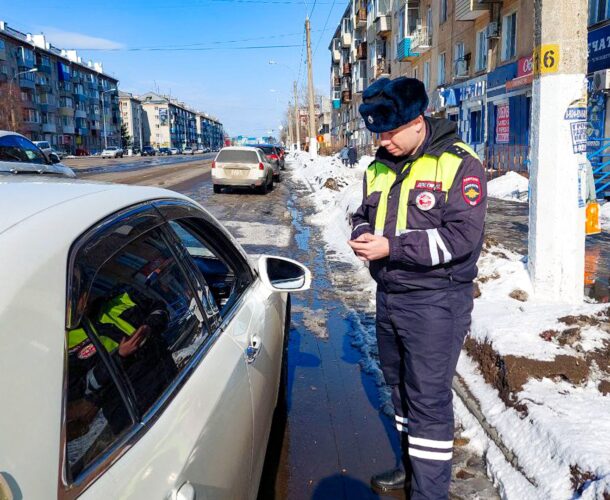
<point>525,73</point>
<point>473,90</point>
<point>502,123</point>
<point>579,137</point>
<point>599,49</point>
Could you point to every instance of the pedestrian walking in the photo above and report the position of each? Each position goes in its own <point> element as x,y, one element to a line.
<point>352,155</point>
<point>343,154</point>
<point>420,227</point>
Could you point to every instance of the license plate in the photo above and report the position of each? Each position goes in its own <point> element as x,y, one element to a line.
<point>236,173</point>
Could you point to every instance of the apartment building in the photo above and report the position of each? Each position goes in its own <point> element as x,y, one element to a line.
<point>474,58</point>
<point>61,98</point>
<point>131,116</point>
<point>167,122</point>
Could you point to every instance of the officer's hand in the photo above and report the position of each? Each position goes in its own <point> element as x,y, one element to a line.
<point>373,248</point>
<point>131,344</point>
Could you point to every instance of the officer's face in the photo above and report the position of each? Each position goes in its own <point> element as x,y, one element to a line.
<point>404,140</point>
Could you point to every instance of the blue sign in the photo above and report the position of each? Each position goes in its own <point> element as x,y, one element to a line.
<point>599,49</point>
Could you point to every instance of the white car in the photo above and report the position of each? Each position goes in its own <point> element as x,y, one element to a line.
<point>174,151</point>
<point>112,152</point>
<point>141,347</point>
<point>242,166</point>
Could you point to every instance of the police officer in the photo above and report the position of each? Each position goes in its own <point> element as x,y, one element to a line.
<point>420,228</point>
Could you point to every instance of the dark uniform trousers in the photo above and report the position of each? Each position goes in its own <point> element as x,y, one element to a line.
<point>420,335</point>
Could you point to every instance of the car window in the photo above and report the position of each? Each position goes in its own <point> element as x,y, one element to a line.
<point>236,156</point>
<point>215,271</point>
<point>266,149</point>
<point>18,149</point>
<point>141,326</point>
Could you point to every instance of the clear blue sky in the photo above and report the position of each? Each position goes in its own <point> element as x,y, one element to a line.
<point>234,85</point>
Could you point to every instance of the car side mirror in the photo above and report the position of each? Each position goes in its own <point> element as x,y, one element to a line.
<point>54,158</point>
<point>280,274</point>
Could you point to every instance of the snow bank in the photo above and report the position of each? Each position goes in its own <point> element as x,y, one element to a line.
<point>510,186</point>
<point>605,216</point>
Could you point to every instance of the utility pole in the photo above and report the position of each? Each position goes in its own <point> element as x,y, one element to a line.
<point>290,129</point>
<point>556,243</point>
<point>297,117</point>
<point>313,144</point>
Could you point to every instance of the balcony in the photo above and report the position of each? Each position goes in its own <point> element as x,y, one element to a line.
<point>80,113</point>
<point>346,39</point>
<point>48,107</point>
<point>347,69</point>
<point>361,51</point>
<point>49,128</point>
<point>336,103</point>
<point>336,81</point>
<point>30,126</point>
<point>421,40</point>
<point>29,103</point>
<point>336,55</point>
<point>359,85</point>
<point>383,25</point>
<point>361,17</point>
<point>67,129</point>
<point>26,83</point>
<point>43,85</point>
<point>44,67</point>
<point>404,51</point>
<point>469,10</point>
<point>95,125</point>
<point>346,96</point>
<point>381,70</point>
<point>3,54</point>
<point>82,131</point>
<point>65,111</point>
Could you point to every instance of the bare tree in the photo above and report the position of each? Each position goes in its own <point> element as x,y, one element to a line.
<point>11,112</point>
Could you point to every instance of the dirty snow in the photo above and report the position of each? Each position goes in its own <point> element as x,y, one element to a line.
<point>605,216</point>
<point>567,425</point>
<point>510,186</point>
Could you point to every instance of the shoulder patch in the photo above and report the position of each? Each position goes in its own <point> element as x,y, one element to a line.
<point>471,190</point>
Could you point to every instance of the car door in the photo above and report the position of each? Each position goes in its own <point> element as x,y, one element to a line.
<point>254,318</point>
<point>158,397</point>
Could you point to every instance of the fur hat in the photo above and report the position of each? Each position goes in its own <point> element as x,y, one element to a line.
<point>389,104</point>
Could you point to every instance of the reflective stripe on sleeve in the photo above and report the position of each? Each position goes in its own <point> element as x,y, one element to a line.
<point>402,420</point>
<point>441,245</point>
<point>431,443</point>
<point>402,428</point>
<point>433,247</point>
<point>360,225</point>
<point>430,455</point>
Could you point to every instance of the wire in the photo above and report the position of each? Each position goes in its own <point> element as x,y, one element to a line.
<point>313,7</point>
<point>186,49</point>
<point>324,29</point>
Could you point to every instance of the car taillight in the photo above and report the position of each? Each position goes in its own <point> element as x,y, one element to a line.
<point>261,166</point>
<point>272,157</point>
<point>213,163</point>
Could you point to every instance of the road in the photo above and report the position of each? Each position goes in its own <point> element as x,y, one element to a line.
<point>332,435</point>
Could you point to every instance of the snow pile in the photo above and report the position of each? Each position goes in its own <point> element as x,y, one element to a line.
<point>510,186</point>
<point>605,216</point>
<point>564,436</point>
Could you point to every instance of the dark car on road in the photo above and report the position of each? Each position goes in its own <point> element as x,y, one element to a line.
<point>274,157</point>
<point>164,151</point>
<point>148,151</point>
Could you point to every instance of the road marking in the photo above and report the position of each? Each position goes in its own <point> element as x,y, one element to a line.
<point>256,233</point>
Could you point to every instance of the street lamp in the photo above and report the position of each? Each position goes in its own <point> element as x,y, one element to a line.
<point>104,116</point>
<point>10,91</point>
<point>296,103</point>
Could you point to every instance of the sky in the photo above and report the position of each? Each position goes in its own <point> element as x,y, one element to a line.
<point>211,54</point>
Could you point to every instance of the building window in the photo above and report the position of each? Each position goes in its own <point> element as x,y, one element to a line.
<point>509,36</point>
<point>441,69</point>
<point>599,10</point>
<point>481,62</point>
<point>414,72</point>
<point>443,12</point>
<point>458,58</point>
<point>427,75</point>
<point>429,24</point>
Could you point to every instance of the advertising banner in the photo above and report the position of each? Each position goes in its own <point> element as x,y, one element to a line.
<point>502,123</point>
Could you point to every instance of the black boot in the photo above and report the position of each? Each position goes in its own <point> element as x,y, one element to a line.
<point>390,480</point>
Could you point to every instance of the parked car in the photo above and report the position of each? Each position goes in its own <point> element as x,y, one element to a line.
<point>273,155</point>
<point>200,150</point>
<point>164,151</point>
<point>242,166</point>
<point>174,151</point>
<point>45,146</point>
<point>147,346</point>
<point>188,151</point>
<point>60,154</point>
<point>112,152</point>
<point>19,155</point>
<point>148,151</point>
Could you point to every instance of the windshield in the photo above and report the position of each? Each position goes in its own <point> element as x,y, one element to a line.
<point>237,156</point>
<point>111,148</point>
<point>15,148</point>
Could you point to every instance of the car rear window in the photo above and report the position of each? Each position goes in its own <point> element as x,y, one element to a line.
<point>266,149</point>
<point>237,156</point>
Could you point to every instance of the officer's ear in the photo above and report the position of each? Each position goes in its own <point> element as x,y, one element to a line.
<point>419,123</point>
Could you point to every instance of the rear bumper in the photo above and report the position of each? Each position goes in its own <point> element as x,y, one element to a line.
<point>222,181</point>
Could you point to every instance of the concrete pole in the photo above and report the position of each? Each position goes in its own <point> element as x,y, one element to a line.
<point>297,117</point>
<point>558,151</point>
<point>313,143</point>
<point>290,129</point>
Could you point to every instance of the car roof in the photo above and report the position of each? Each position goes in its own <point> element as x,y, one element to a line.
<point>28,196</point>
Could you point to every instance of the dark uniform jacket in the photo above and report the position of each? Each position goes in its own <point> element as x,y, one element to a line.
<point>415,262</point>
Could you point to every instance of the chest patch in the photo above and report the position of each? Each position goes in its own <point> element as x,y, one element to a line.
<point>425,201</point>
<point>87,352</point>
<point>471,190</point>
<point>429,185</point>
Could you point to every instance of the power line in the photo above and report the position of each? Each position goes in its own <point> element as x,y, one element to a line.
<point>186,49</point>
<point>324,29</point>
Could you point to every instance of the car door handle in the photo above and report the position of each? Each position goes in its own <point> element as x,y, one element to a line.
<point>185,492</point>
<point>253,349</point>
